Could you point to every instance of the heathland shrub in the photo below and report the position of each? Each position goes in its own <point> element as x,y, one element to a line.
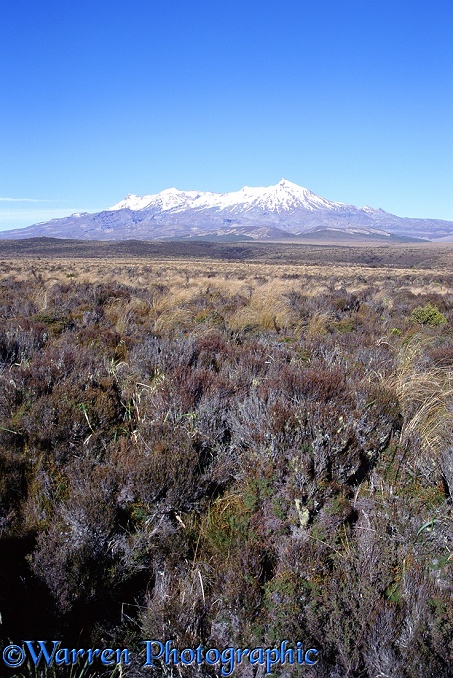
<point>428,315</point>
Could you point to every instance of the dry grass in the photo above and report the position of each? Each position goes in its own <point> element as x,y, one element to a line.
<point>180,290</point>
<point>317,325</point>
<point>426,397</point>
<point>261,280</point>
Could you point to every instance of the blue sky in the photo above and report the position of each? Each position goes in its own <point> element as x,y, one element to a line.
<point>352,99</point>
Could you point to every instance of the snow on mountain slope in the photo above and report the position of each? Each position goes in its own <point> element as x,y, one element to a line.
<point>168,199</point>
<point>283,197</point>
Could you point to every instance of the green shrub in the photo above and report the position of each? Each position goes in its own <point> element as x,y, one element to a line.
<point>428,315</point>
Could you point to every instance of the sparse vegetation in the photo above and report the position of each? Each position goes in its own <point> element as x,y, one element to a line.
<point>229,453</point>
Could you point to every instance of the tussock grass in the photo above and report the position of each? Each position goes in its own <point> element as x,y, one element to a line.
<point>426,397</point>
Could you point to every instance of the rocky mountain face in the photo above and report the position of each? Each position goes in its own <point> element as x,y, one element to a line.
<point>284,211</point>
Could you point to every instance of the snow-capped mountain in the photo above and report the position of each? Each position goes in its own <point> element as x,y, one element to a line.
<point>283,197</point>
<point>278,212</point>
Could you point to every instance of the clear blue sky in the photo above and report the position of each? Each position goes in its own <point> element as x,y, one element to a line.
<point>352,99</point>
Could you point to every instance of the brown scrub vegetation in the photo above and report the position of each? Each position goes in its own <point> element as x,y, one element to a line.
<point>230,453</point>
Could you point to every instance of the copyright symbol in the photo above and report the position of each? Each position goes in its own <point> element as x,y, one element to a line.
<point>13,655</point>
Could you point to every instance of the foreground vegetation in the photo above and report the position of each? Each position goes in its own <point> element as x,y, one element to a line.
<point>229,453</point>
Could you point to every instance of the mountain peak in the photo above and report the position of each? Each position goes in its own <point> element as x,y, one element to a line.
<point>282,210</point>
<point>284,183</point>
<point>287,196</point>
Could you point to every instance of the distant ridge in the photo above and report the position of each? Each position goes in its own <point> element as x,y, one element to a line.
<point>283,211</point>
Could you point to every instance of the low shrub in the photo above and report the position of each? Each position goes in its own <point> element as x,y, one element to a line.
<point>428,315</point>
